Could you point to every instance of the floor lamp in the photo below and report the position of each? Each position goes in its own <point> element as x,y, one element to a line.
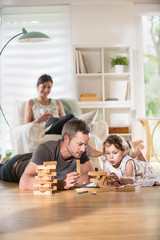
<point>25,37</point>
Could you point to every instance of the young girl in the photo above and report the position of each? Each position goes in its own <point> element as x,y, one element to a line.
<point>122,168</point>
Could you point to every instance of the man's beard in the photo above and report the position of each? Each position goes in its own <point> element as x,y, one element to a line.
<point>73,155</point>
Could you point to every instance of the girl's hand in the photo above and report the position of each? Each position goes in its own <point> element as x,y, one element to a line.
<point>115,181</point>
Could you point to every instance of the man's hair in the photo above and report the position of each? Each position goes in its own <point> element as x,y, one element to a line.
<point>73,126</point>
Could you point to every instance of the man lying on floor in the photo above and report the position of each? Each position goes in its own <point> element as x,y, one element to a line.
<point>73,145</point>
<point>75,137</point>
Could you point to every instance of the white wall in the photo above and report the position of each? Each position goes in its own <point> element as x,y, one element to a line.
<point>105,24</point>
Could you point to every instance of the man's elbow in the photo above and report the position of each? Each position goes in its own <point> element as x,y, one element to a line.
<point>25,185</point>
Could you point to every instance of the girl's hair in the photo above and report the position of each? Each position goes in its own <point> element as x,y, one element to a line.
<point>44,78</point>
<point>118,141</point>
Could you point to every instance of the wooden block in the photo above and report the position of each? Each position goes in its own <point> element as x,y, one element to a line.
<point>94,180</point>
<point>48,167</point>
<point>44,178</point>
<point>99,173</point>
<point>48,185</point>
<point>48,171</point>
<point>78,165</point>
<point>47,181</point>
<point>103,181</point>
<point>43,174</point>
<point>50,163</point>
<point>43,193</point>
<point>128,188</point>
<point>96,189</point>
<point>44,189</point>
<point>118,129</point>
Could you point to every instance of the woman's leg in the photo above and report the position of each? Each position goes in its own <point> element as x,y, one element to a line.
<point>57,127</point>
<point>138,146</point>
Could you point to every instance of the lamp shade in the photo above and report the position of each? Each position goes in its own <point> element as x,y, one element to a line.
<point>32,36</point>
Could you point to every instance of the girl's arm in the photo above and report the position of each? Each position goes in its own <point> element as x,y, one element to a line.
<point>130,171</point>
<point>61,108</point>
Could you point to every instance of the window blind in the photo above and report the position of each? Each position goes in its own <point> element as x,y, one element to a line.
<point>23,63</point>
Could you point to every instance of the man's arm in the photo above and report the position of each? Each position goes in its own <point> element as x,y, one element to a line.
<point>28,177</point>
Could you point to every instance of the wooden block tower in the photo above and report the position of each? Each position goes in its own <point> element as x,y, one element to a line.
<point>46,184</point>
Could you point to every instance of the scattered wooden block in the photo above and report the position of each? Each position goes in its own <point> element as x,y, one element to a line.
<point>128,188</point>
<point>43,193</point>
<point>102,183</point>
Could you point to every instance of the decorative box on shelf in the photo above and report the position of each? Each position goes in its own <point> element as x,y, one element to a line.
<point>118,130</point>
<point>89,97</point>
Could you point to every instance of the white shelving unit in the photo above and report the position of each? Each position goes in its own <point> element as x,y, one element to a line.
<point>98,77</point>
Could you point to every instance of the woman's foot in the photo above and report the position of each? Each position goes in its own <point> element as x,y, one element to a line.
<point>93,152</point>
<point>4,160</point>
<point>138,146</point>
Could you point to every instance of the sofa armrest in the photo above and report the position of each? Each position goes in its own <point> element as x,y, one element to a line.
<point>19,138</point>
<point>25,138</point>
<point>37,135</point>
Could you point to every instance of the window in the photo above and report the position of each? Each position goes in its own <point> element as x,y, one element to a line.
<point>148,32</point>
<point>151,56</point>
<point>23,63</point>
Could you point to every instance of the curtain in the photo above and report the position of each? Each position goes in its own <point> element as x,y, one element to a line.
<point>23,63</point>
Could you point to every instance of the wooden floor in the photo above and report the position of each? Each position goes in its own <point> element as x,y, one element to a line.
<point>67,215</point>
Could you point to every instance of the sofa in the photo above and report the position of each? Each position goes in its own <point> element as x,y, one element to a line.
<point>26,137</point>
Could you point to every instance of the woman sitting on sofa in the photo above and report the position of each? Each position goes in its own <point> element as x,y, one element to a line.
<point>48,112</point>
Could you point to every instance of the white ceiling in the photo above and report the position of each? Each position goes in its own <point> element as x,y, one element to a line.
<point>49,2</point>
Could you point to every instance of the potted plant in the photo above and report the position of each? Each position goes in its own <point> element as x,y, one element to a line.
<point>118,63</point>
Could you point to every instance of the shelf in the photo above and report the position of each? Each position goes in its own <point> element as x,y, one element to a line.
<point>119,75</point>
<point>105,104</point>
<point>98,104</point>
<point>94,75</point>
<point>88,75</point>
<point>117,104</point>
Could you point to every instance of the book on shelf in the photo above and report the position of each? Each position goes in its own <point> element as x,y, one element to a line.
<point>77,62</point>
<point>85,64</point>
<point>80,62</point>
<point>127,91</point>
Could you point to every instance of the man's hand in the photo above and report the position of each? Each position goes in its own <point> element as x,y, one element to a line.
<point>69,180</point>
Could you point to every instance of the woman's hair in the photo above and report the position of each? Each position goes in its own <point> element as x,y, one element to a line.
<point>118,141</point>
<point>44,78</point>
<point>73,126</point>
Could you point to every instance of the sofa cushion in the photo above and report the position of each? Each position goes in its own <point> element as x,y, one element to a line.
<point>71,106</point>
<point>89,117</point>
